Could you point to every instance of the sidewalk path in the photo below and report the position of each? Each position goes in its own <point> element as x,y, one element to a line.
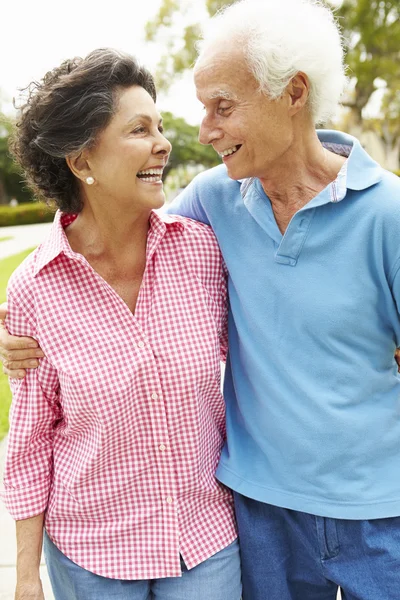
<point>23,238</point>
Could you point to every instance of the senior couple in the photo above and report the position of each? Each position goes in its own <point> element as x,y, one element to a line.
<point>118,453</point>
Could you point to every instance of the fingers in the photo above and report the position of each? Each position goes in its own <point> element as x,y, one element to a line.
<point>3,311</point>
<point>25,355</point>
<point>10,342</point>
<point>397,357</point>
<point>15,374</point>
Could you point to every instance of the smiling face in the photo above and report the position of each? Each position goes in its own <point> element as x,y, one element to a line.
<point>251,132</point>
<point>129,155</point>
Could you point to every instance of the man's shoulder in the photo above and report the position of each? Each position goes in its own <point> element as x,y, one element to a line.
<point>387,193</point>
<point>215,180</point>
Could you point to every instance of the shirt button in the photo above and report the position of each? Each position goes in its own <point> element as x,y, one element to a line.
<point>170,500</point>
<point>161,447</point>
<point>154,396</point>
<point>141,344</point>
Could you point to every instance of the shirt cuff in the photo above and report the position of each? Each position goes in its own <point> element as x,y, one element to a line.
<point>27,502</point>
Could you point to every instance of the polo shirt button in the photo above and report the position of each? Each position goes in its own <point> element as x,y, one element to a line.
<point>141,344</point>
<point>161,447</point>
<point>170,500</point>
<point>154,396</point>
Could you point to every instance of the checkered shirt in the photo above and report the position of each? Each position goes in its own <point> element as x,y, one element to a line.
<point>118,432</point>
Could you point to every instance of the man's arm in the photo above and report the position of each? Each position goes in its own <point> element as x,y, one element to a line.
<point>17,353</point>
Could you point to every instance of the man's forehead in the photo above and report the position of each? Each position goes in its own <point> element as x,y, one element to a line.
<point>222,75</point>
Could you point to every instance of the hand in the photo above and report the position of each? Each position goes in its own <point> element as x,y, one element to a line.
<point>31,590</point>
<point>17,354</point>
<point>397,357</point>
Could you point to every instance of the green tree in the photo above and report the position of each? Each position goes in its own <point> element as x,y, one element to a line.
<point>186,150</point>
<point>180,50</point>
<point>371,29</point>
<point>11,179</point>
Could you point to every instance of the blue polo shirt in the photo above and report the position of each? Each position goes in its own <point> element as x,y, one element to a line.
<point>311,386</point>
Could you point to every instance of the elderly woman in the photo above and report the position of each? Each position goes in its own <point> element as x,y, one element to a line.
<point>115,438</point>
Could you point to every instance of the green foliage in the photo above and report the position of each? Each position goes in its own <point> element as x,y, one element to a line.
<point>25,214</point>
<point>214,6</point>
<point>180,50</point>
<point>7,266</point>
<point>11,180</point>
<point>186,150</point>
<point>5,402</point>
<point>371,29</point>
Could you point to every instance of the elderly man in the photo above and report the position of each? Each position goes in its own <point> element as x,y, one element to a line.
<point>309,226</point>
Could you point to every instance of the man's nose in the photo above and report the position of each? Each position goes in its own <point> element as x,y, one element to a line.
<point>209,131</point>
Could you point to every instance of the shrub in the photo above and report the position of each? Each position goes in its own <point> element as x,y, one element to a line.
<point>25,214</point>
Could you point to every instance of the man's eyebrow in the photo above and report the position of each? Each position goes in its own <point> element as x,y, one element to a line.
<point>223,94</point>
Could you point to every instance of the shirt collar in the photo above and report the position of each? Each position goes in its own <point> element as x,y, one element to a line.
<point>359,172</point>
<point>57,241</point>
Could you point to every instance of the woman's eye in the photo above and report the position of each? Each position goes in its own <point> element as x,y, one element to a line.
<point>139,130</point>
<point>161,129</point>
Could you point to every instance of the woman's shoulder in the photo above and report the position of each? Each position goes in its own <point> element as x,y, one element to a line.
<point>21,283</point>
<point>195,232</point>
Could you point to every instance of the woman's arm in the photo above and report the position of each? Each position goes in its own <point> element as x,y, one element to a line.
<point>29,550</point>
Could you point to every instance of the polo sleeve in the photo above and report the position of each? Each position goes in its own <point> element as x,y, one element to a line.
<point>188,204</point>
<point>33,416</point>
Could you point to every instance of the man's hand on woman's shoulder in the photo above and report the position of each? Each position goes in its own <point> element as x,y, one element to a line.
<point>17,353</point>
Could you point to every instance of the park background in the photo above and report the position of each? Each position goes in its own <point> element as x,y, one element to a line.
<point>35,37</point>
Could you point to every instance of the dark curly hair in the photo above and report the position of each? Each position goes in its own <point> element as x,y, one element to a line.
<point>64,113</point>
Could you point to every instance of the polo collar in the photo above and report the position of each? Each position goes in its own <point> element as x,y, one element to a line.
<point>359,172</point>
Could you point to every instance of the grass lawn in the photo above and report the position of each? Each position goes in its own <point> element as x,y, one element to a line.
<point>7,266</point>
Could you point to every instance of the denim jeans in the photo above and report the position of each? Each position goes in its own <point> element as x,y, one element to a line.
<point>290,555</point>
<point>217,578</point>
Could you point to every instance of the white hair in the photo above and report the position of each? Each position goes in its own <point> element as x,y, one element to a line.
<point>280,38</point>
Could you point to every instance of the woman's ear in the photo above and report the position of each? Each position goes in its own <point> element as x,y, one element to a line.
<point>79,166</point>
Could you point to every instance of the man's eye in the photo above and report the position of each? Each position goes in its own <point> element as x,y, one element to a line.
<point>161,129</point>
<point>139,130</point>
<point>223,109</point>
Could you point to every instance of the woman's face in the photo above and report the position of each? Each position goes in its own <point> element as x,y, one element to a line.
<point>129,155</point>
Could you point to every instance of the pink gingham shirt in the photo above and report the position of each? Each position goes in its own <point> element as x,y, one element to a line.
<point>118,432</point>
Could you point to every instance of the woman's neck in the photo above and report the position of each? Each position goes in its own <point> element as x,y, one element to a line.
<point>111,235</point>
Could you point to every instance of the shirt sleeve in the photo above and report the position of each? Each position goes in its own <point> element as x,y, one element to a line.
<point>33,416</point>
<point>188,204</point>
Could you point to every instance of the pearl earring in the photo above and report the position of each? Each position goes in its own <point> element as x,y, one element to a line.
<point>89,180</point>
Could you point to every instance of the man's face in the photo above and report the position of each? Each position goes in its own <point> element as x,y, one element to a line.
<point>249,130</point>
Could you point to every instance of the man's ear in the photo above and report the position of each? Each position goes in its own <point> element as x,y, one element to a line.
<point>299,91</point>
